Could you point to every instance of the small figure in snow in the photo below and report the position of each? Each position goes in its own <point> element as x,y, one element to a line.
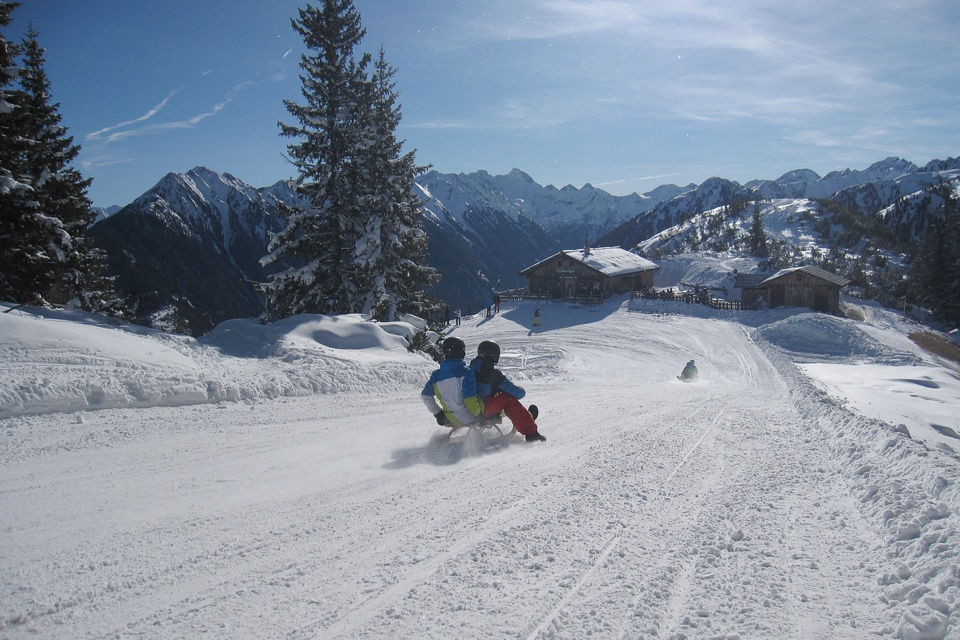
<point>689,373</point>
<point>496,303</point>
<point>454,385</point>
<point>536,316</point>
<point>489,304</point>
<point>499,394</point>
<point>459,315</point>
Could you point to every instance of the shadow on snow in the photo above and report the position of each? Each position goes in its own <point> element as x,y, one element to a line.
<point>442,451</point>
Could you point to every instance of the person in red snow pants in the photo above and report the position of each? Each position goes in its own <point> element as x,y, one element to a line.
<point>499,394</point>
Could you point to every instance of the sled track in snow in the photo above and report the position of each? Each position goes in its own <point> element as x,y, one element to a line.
<point>542,629</point>
<point>703,436</point>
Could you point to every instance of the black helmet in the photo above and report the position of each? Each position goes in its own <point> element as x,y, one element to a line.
<point>453,349</point>
<point>489,350</point>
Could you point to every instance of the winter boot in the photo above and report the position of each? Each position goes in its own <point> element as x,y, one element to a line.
<point>535,437</point>
<point>534,411</point>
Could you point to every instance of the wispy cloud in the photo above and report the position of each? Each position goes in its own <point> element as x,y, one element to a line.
<point>512,113</point>
<point>103,160</point>
<point>121,132</point>
<point>698,61</point>
<point>453,123</point>
<point>99,135</point>
<point>612,183</point>
<point>282,67</point>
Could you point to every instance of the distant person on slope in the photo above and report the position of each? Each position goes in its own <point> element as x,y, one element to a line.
<point>689,373</point>
<point>454,386</point>
<point>499,394</point>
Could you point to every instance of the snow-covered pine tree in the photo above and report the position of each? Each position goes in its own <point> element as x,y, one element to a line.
<point>318,242</point>
<point>757,239</point>
<point>45,255</point>
<point>391,252</point>
<point>12,146</point>
<point>73,267</point>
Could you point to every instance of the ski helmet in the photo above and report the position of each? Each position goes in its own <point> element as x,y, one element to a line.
<point>453,349</point>
<point>489,350</point>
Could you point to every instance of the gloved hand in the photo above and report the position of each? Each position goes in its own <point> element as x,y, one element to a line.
<point>441,418</point>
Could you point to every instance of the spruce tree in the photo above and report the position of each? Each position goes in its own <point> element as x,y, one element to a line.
<point>318,242</point>
<point>47,256</point>
<point>13,191</point>
<point>76,272</point>
<point>359,246</point>
<point>758,236</point>
<point>393,247</point>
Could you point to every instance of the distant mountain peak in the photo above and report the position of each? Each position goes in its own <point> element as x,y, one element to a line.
<point>798,175</point>
<point>517,174</point>
<point>207,172</point>
<point>893,165</point>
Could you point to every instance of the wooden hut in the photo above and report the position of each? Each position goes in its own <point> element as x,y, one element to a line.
<point>752,296</point>
<point>807,286</point>
<point>590,273</point>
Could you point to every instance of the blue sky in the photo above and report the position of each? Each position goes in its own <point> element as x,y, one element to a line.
<point>626,95</point>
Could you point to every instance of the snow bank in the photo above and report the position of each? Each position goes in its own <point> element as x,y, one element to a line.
<point>703,269</point>
<point>818,337</point>
<point>346,332</point>
<point>908,489</point>
<point>62,361</point>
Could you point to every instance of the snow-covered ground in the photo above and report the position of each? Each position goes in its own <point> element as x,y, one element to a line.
<point>286,481</point>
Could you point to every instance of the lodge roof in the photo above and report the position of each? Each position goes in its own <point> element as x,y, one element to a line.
<point>610,261</point>
<point>749,280</point>
<point>811,270</point>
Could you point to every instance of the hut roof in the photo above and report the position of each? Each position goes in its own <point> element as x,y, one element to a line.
<point>610,261</point>
<point>811,270</point>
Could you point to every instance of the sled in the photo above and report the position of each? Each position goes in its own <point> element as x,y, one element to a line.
<point>488,429</point>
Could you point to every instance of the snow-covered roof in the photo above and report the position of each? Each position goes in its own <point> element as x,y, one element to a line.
<point>610,261</point>
<point>749,280</point>
<point>816,272</point>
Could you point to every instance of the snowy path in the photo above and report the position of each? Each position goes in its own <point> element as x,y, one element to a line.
<point>716,509</point>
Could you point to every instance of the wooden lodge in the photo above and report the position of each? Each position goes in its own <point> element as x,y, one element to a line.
<point>590,273</point>
<point>807,286</point>
<point>752,296</point>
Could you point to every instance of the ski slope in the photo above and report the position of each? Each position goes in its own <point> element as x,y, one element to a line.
<point>287,482</point>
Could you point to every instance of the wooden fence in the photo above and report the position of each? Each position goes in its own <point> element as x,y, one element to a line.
<point>703,296</point>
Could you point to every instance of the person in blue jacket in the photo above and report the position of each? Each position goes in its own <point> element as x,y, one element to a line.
<point>451,392</point>
<point>689,373</point>
<point>499,394</point>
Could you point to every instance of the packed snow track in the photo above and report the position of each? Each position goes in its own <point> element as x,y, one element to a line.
<point>747,504</point>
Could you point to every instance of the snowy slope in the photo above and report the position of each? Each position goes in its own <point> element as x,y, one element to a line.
<point>788,220</point>
<point>285,481</point>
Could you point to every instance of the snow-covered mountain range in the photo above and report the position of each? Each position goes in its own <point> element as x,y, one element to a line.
<point>571,215</point>
<point>189,248</point>
<point>869,192</point>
